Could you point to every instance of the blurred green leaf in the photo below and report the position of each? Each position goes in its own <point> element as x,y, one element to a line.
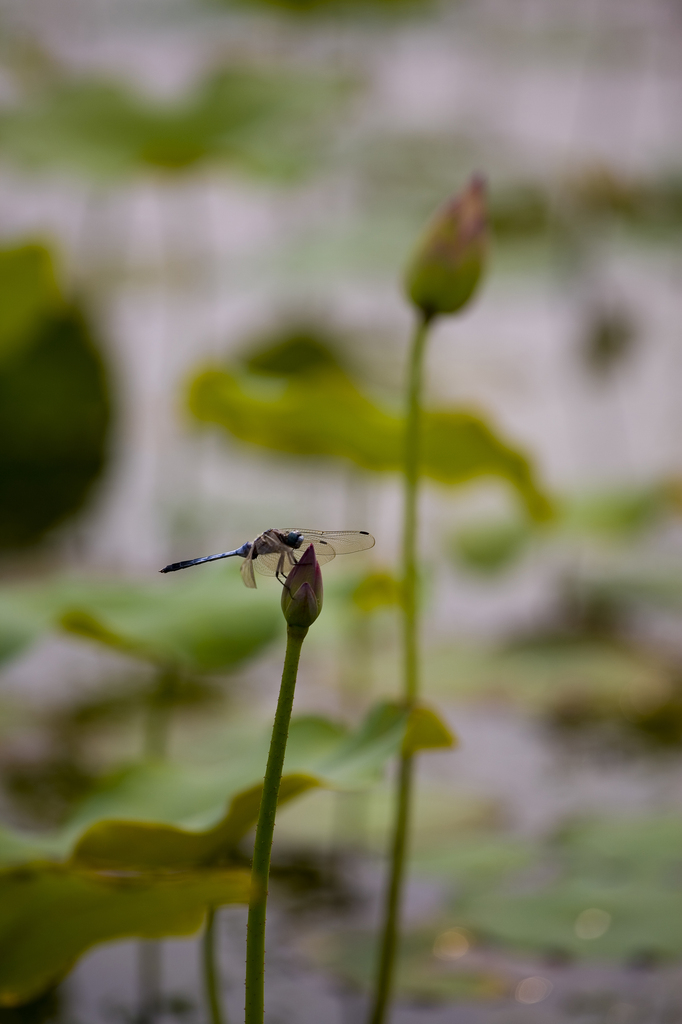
<point>143,846</point>
<point>19,847</point>
<point>28,295</point>
<point>51,914</point>
<point>476,861</point>
<point>204,624</point>
<point>54,400</point>
<point>491,547</point>
<point>643,920</point>
<point>537,674</point>
<point>324,413</point>
<point>618,513</point>
<point>625,869</point>
<point>426,731</point>
<point>335,7</point>
<point>19,627</point>
<point>192,797</point>
<point>265,122</point>
<point>299,350</point>
<point>420,977</point>
<point>85,625</point>
<point>377,590</point>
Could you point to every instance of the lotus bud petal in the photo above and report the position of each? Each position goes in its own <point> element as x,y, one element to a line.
<point>302,592</point>
<point>449,261</point>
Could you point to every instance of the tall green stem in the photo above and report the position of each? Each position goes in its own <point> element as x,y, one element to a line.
<point>157,725</point>
<point>211,982</point>
<point>260,873</point>
<point>394,889</point>
<point>156,731</point>
<point>410,522</point>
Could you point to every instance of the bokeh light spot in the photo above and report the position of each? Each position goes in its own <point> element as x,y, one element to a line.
<point>592,923</point>
<point>451,944</point>
<point>533,990</point>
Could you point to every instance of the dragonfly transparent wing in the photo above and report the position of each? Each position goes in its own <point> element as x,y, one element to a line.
<point>246,569</point>
<point>268,564</point>
<point>328,543</point>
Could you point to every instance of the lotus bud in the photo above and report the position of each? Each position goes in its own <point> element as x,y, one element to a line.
<point>450,259</point>
<point>302,592</point>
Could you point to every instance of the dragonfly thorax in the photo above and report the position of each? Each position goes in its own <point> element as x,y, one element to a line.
<point>293,539</point>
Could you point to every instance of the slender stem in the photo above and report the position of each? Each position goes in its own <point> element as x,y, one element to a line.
<point>157,725</point>
<point>394,888</point>
<point>411,493</point>
<point>260,872</point>
<point>149,953</point>
<point>149,970</point>
<point>211,981</point>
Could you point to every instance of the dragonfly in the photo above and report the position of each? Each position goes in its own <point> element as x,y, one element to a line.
<point>276,552</point>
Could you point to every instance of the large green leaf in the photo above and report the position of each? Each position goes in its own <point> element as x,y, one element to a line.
<point>19,626</point>
<point>360,8</point>
<point>28,295</point>
<point>54,400</point>
<point>618,874</point>
<point>426,730</point>
<point>420,978</point>
<point>324,413</point>
<point>153,878</point>
<point>51,914</point>
<point>202,623</point>
<point>641,920</point>
<point>333,760</point>
<point>260,121</point>
<point>132,810</point>
<point>490,547</point>
<point>127,845</point>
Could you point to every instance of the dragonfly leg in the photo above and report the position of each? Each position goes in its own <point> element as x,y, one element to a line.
<point>280,571</point>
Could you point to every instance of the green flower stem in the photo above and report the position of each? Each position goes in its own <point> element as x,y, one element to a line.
<point>155,745</point>
<point>149,969</point>
<point>412,452</point>
<point>393,899</point>
<point>260,873</point>
<point>157,726</point>
<point>211,983</point>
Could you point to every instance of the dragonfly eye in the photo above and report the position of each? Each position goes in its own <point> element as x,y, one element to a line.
<point>294,539</point>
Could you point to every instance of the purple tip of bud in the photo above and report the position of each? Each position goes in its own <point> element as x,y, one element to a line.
<point>302,592</point>
<point>308,557</point>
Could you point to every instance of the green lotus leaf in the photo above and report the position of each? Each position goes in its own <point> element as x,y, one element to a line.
<point>377,590</point>
<point>426,730</point>
<point>135,845</point>
<point>51,914</point>
<point>54,400</point>
<point>320,8</point>
<point>619,514</point>
<point>491,547</point>
<point>639,920</point>
<point>189,801</point>
<point>324,413</point>
<point>19,627</point>
<point>123,845</point>
<point>29,294</point>
<point>203,624</point>
<point>602,890</point>
<point>263,122</point>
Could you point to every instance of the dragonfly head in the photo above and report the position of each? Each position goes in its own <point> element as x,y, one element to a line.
<point>294,539</point>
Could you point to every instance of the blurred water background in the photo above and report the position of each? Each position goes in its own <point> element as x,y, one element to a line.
<point>189,187</point>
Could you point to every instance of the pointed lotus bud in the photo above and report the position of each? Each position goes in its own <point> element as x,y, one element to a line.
<point>450,258</point>
<point>302,592</point>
